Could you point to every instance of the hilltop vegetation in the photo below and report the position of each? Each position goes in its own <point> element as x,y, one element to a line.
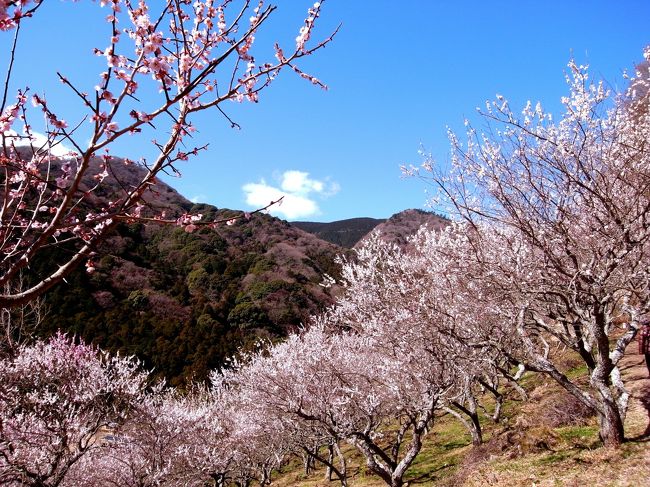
<point>400,226</point>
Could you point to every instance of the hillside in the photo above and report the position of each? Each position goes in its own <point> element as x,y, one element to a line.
<point>184,302</point>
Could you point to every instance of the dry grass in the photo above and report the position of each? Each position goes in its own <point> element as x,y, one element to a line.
<point>627,466</point>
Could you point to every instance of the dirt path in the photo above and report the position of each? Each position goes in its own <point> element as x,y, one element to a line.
<point>635,375</point>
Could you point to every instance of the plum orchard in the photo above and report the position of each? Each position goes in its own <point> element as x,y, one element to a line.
<point>551,249</point>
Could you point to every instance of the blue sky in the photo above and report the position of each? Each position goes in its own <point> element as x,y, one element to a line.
<point>398,74</point>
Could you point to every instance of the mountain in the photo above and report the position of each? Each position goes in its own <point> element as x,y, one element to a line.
<point>123,175</point>
<point>351,232</point>
<point>344,233</point>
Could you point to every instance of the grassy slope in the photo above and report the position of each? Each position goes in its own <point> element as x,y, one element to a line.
<point>522,450</point>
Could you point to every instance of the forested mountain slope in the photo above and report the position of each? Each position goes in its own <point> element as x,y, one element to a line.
<point>184,302</point>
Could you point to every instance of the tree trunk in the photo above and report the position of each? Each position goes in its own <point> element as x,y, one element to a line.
<point>381,463</point>
<point>219,479</point>
<point>340,472</point>
<point>610,419</point>
<point>330,461</point>
<point>611,431</point>
<point>470,421</point>
<point>343,467</point>
<point>496,416</point>
<point>610,414</point>
<point>493,388</point>
<point>475,430</point>
<point>266,476</point>
<point>308,461</point>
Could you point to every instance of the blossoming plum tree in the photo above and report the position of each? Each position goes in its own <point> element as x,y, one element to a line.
<point>412,295</point>
<point>170,438</point>
<point>55,397</point>
<point>196,55</point>
<point>560,215</point>
<point>350,387</point>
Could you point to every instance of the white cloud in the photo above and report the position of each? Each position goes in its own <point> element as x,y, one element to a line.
<point>38,141</point>
<point>298,190</point>
<point>199,198</point>
<point>300,182</point>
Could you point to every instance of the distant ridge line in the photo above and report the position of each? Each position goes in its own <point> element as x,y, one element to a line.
<point>349,232</point>
<point>345,233</point>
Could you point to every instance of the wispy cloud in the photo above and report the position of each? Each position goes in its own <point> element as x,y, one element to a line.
<point>299,191</point>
